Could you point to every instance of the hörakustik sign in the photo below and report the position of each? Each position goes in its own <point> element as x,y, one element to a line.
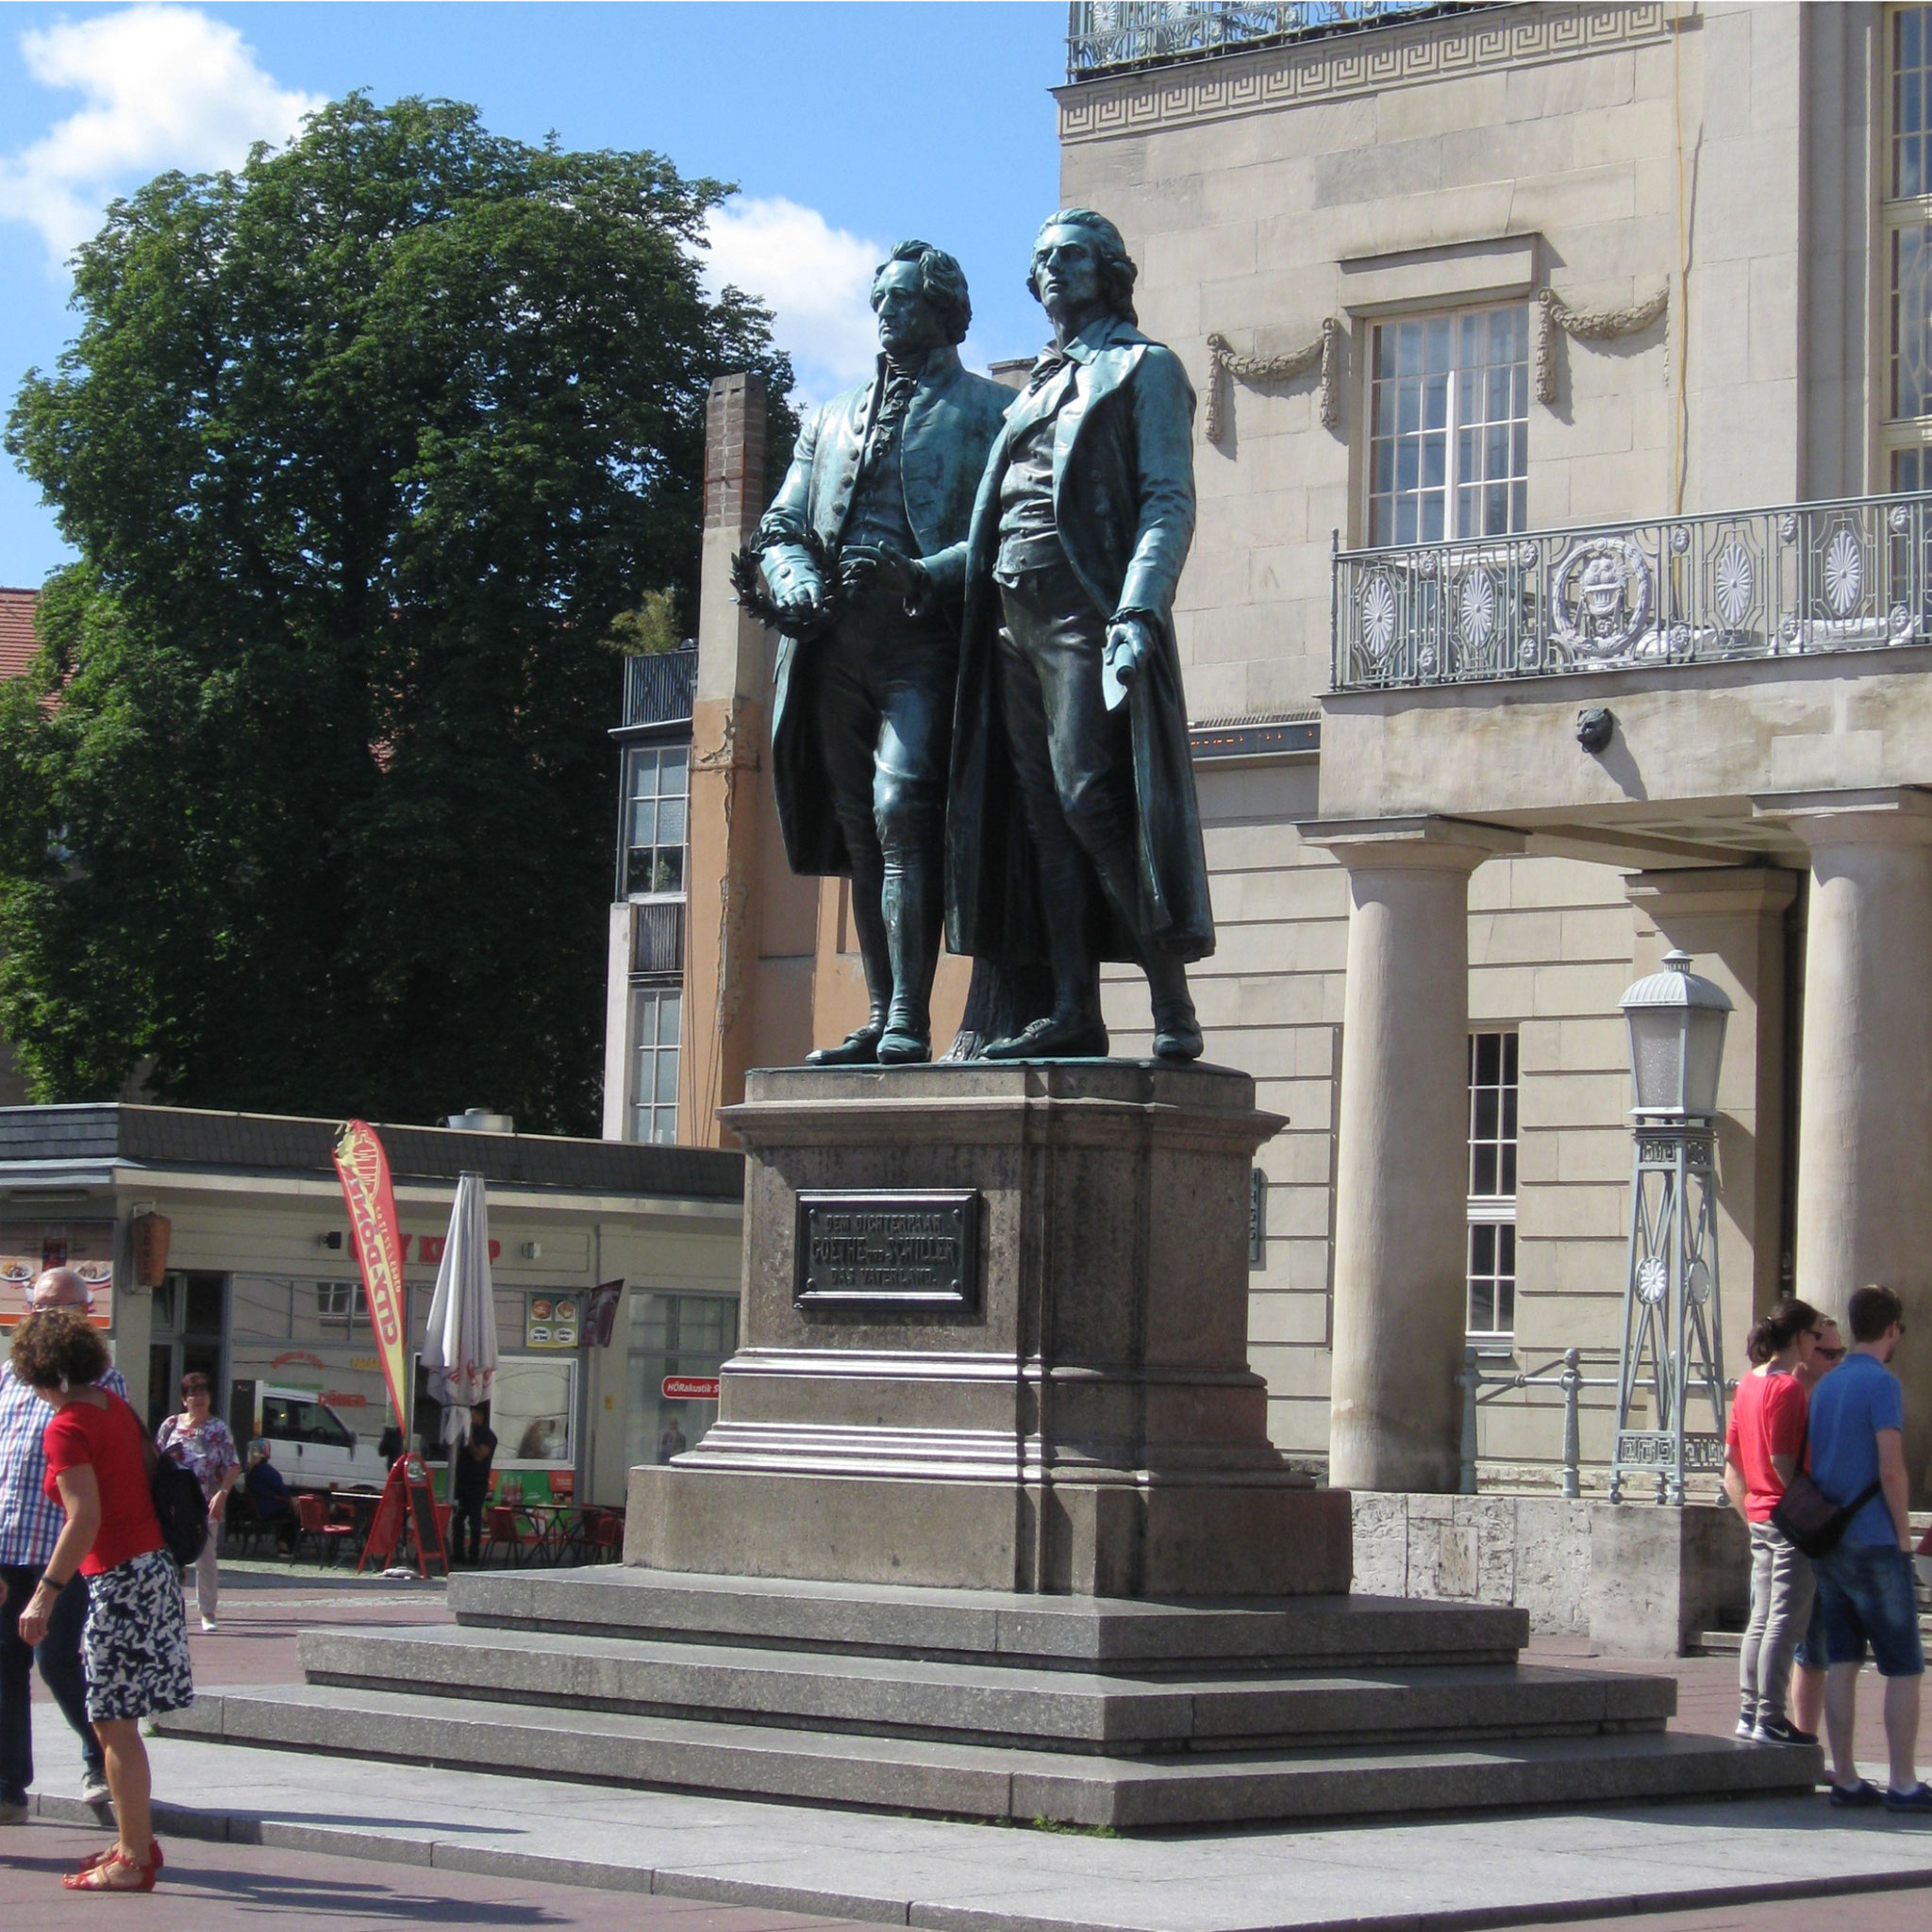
<point>372,1198</point>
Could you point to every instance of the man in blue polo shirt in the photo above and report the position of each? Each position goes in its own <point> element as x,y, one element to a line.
<point>1865,1584</point>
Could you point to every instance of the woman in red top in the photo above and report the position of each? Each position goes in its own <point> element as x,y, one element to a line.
<point>1761,1450</point>
<point>135,1644</point>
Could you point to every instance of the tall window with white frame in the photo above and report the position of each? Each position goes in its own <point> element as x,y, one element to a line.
<point>656,793</point>
<point>655,1014</point>
<point>1491,1185</point>
<point>1449,425</point>
<point>1906,212</point>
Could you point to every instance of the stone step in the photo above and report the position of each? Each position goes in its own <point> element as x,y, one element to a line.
<point>975,1781</point>
<point>987,1703</point>
<point>974,1625</point>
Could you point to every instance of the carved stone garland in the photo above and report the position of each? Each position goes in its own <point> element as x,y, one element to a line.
<point>1222,361</point>
<point>1587,325</point>
<point>1552,313</point>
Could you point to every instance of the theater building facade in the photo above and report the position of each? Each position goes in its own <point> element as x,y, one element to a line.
<point>1552,360</point>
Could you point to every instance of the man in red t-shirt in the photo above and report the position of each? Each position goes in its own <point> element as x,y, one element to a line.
<point>1763,1444</point>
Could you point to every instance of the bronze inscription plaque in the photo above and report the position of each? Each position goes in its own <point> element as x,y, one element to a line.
<point>890,1251</point>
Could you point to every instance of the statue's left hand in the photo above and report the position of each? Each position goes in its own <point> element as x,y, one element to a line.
<point>865,566</point>
<point>1128,645</point>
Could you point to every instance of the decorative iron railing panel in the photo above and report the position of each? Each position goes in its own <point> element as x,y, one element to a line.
<point>1103,34</point>
<point>661,689</point>
<point>1792,581</point>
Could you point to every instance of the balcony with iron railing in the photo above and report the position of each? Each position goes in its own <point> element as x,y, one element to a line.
<point>1104,36</point>
<point>662,688</point>
<point>1796,581</point>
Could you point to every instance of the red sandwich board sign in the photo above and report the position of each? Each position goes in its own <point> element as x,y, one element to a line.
<point>690,1387</point>
<point>406,1512</point>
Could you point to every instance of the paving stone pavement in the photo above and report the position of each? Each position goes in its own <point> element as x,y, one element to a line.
<point>420,1834</point>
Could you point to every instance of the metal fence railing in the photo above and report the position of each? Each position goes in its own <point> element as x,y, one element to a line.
<point>1561,1375</point>
<point>1104,34</point>
<point>1794,580</point>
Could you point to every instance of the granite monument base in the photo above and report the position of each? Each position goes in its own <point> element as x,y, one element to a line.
<point>994,1336</point>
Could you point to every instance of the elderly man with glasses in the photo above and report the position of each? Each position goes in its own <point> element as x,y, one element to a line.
<point>29,1527</point>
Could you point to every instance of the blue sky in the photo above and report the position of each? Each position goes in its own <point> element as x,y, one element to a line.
<point>846,126</point>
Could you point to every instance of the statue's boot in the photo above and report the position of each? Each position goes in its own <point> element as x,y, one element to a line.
<point>1176,1029</point>
<point>1073,1030</point>
<point>860,1047</point>
<point>912,934</point>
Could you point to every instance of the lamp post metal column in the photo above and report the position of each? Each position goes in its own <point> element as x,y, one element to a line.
<point>1672,1344</point>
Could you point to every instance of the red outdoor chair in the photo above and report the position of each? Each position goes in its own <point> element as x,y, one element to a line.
<point>505,1529</point>
<point>329,1535</point>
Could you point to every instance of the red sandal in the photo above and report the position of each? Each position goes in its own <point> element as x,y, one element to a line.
<point>102,1858</point>
<point>100,1872</point>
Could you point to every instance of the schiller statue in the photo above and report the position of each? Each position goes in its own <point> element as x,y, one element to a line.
<point>1073,832</point>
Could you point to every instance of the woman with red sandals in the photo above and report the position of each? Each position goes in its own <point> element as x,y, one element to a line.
<point>135,1643</point>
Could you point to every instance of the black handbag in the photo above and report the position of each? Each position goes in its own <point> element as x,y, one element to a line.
<point>180,1508</point>
<point>1806,1518</point>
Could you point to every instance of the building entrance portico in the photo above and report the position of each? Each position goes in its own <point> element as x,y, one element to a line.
<point>1813,909</point>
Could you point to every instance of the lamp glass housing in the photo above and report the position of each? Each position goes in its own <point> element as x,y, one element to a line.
<point>1676,1024</point>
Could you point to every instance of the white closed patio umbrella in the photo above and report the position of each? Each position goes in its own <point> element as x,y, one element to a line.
<point>459,1350</point>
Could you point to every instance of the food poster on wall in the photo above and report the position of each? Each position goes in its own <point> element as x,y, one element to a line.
<point>27,1247</point>
<point>553,1320</point>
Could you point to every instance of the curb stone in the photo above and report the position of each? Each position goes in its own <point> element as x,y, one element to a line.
<point>400,1848</point>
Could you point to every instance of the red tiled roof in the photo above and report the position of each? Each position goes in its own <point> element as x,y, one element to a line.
<point>17,640</point>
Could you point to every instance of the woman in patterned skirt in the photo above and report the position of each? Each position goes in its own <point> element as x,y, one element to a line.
<point>135,1643</point>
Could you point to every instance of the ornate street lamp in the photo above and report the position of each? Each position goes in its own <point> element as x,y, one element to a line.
<point>1672,1341</point>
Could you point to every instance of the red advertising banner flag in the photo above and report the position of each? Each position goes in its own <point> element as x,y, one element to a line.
<point>372,1198</point>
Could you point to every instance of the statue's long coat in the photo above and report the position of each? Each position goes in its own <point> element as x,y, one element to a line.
<point>1124,501</point>
<point>950,426</point>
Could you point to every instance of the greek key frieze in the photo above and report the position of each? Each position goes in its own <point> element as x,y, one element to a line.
<point>1331,69</point>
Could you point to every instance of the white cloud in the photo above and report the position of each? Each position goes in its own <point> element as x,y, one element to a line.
<point>164,87</point>
<point>815,279</point>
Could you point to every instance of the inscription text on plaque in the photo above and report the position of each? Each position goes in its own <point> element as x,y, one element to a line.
<point>888,1249</point>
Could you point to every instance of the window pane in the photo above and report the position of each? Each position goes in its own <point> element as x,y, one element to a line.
<point>1911,319</point>
<point>668,1008</point>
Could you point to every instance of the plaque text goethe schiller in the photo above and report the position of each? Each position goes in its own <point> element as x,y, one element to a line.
<point>892,1249</point>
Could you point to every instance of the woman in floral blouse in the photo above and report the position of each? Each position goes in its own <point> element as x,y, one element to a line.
<point>201,1441</point>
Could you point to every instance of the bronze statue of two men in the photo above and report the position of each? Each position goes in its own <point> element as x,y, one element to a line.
<point>979,716</point>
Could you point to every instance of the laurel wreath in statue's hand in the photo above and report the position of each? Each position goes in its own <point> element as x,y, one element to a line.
<point>793,621</point>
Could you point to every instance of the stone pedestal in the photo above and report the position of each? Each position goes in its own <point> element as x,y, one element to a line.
<point>1067,1407</point>
<point>1660,1575</point>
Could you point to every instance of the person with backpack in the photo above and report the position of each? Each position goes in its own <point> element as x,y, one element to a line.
<point>1762,1446</point>
<point>29,1525</point>
<point>1865,1577</point>
<point>135,1643</point>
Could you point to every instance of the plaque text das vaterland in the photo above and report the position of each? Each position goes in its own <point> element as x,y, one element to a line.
<point>888,1249</point>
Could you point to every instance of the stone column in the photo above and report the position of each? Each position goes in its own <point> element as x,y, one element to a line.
<point>1402,1157</point>
<point>1731,921</point>
<point>729,730</point>
<point>1865,1092</point>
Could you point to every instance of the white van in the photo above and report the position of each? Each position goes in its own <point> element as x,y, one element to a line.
<point>312,1444</point>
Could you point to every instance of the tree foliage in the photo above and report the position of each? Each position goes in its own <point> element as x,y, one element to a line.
<point>308,805</point>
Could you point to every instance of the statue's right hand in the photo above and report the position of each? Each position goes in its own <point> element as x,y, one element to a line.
<point>801,594</point>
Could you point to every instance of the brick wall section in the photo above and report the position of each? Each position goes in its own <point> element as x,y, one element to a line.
<point>735,453</point>
<point>18,642</point>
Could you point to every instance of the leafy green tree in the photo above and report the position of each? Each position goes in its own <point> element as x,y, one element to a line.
<point>308,804</point>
